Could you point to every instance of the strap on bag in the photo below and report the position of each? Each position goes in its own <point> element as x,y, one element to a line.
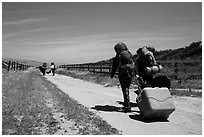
<point>139,98</point>
<point>139,81</point>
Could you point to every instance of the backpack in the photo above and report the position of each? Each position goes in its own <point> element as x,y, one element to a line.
<point>126,64</point>
<point>52,66</point>
<point>149,63</point>
<point>125,57</point>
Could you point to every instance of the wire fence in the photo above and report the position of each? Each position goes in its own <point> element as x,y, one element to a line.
<point>16,66</point>
<point>187,69</point>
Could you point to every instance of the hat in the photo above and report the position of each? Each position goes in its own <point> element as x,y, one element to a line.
<point>120,46</point>
<point>139,50</point>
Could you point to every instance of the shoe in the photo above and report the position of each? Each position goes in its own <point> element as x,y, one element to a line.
<point>120,110</point>
<point>123,109</point>
<point>137,92</point>
<point>127,109</point>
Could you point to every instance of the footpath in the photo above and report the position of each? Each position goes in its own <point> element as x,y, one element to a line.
<point>106,101</point>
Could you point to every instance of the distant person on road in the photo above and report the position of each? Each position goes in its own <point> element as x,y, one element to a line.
<point>124,62</point>
<point>53,68</point>
<point>146,65</point>
<point>43,68</point>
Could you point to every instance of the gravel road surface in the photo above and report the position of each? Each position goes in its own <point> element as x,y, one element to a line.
<point>106,101</point>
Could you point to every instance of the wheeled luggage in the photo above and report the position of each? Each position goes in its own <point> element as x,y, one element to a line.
<point>155,103</point>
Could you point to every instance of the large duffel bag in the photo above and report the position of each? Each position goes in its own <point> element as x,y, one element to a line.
<point>153,70</point>
<point>155,103</point>
<point>161,81</point>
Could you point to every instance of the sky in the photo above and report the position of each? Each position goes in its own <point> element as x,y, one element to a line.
<point>85,32</point>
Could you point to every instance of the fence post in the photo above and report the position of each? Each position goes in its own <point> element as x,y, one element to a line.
<point>17,66</point>
<point>176,70</point>
<point>20,66</point>
<point>110,67</point>
<point>80,67</point>
<point>93,67</point>
<point>100,67</point>
<point>9,65</point>
<point>23,67</point>
<point>14,66</point>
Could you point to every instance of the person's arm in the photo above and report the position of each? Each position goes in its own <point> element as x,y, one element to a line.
<point>114,65</point>
<point>151,59</point>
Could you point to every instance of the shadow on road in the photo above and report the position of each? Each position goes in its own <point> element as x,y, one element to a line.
<point>139,118</point>
<point>113,108</point>
<point>109,108</point>
<point>131,103</point>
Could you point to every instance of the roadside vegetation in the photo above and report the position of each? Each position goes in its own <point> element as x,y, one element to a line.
<point>189,86</point>
<point>30,105</point>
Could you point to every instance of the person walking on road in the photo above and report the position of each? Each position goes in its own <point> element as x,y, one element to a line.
<point>53,68</point>
<point>43,68</point>
<point>124,62</point>
<point>145,63</point>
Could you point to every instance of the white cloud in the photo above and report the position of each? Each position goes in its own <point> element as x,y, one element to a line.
<point>31,31</point>
<point>25,21</point>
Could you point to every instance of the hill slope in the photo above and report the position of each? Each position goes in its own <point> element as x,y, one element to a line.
<point>191,52</point>
<point>23,61</point>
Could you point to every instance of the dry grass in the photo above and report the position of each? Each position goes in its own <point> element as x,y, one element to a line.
<point>25,108</point>
<point>105,80</point>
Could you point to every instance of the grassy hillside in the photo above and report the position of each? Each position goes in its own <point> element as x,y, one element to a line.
<point>191,52</point>
<point>23,61</point>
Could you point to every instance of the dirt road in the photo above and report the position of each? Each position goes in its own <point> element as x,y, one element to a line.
<point>105,102</point>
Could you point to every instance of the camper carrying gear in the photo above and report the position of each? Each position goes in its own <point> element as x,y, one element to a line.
<point>147,65</point>
<point>146,59</point>
<point>124,62</point>
<point>53,68</point>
